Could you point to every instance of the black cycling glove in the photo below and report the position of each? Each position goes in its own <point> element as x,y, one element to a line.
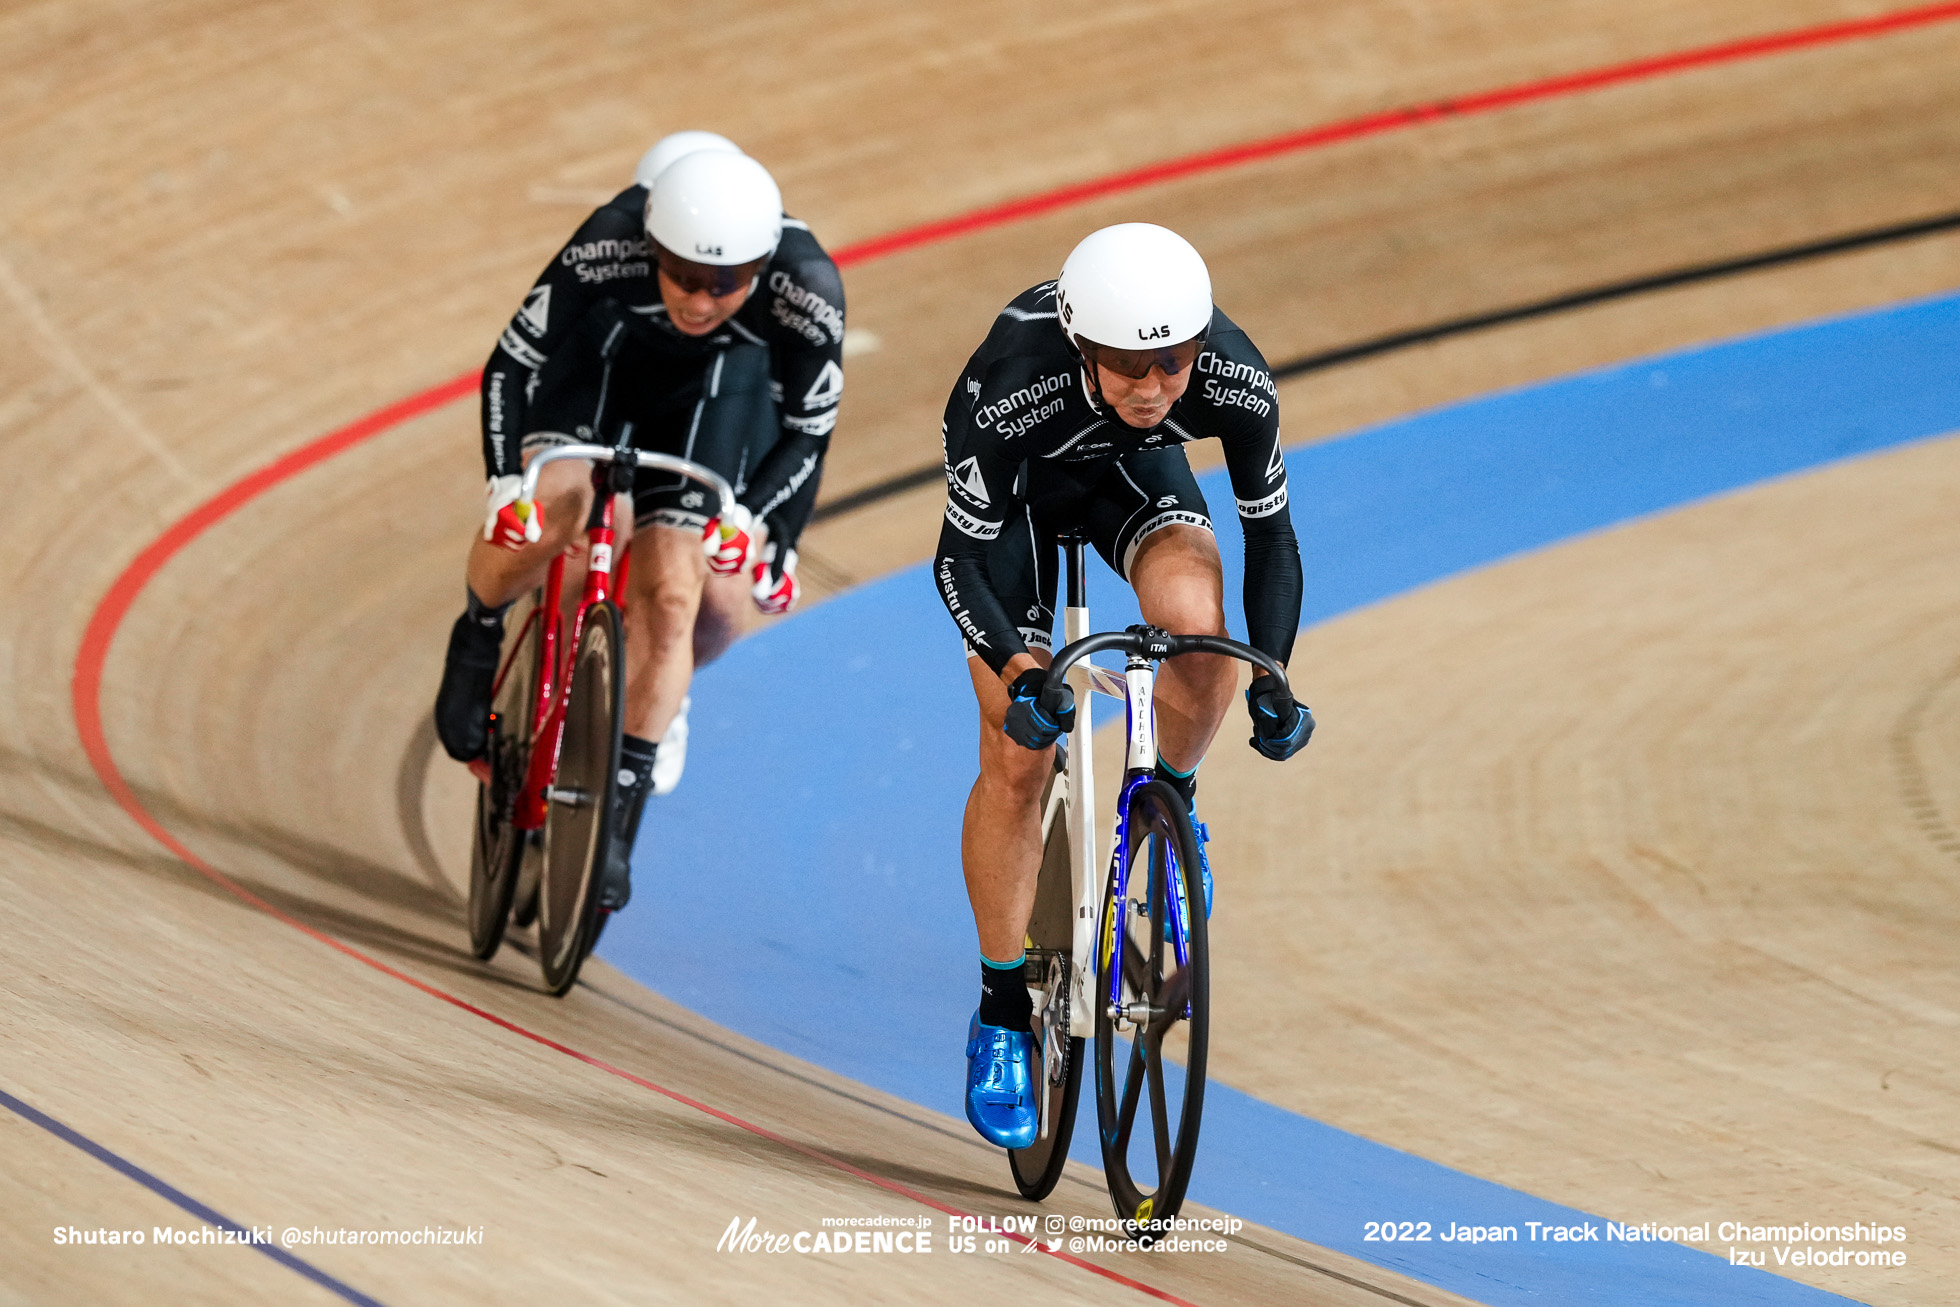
<point>1281,727</point>
<point>1030,723</point>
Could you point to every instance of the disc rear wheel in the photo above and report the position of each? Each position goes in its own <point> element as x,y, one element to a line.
<point>498,848</point>
<point>578,818</point>
<point>1150,1051</point>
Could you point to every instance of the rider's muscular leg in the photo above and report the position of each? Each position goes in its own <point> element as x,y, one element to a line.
<point>1000,844</point>
<point>1180,585</point>
<point>667,577</point>
<point>497,575</point>
<point>724,615</point>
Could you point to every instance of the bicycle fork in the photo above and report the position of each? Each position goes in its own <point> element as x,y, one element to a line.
<point>1136,688</point>
<point>1139,682</point>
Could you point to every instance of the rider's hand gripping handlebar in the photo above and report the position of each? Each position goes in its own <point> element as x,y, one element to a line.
<point>1281,726</point>
<point>1040,709</point>
<point>509,522</point>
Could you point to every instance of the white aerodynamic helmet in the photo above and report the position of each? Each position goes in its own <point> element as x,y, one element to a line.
<point>715,207</point>
<point>671,147</point>
<point>1134,286</point>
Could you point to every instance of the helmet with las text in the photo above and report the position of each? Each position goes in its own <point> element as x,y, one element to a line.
<point>1134,297</point>
<point>714,217</point>
<point>674,145</point>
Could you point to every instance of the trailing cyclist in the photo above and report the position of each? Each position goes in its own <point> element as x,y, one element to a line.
<point>691,306</point>
<point>1070,418</point>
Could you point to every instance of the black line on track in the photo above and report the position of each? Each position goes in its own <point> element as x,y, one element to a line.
<point>170,1193</point>
<point>879,491</point>
<point>1618,290</point>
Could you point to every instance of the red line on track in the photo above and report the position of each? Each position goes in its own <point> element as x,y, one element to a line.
<point>115,605</point>
<point>107,619</point>
<point>233,887</point>
<point>1390,120</point>
<point>87,690</point>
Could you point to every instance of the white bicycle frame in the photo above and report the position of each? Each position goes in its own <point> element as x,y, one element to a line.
<point>1072,799</point>
<point>1075,795</point>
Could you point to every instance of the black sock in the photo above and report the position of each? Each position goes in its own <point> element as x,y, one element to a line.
<point>1186,785</point>
<point>483,614</point>
<point>635,783</point>
<point>636,757</point>
<point>1004,1000</point>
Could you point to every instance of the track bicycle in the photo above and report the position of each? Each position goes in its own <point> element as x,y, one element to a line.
<point>1124,959</point>
<point>545,795</point>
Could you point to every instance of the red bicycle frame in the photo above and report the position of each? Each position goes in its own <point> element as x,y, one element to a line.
<point>560,645</point>
<point>559,639</point>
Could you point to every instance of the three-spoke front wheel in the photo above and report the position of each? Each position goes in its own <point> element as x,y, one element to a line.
<point>578,815</point>
<point>1151,1035</point>
<point>1051,935</point>
<point>498,850</point>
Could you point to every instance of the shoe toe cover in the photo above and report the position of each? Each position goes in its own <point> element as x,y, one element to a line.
<point>1000,1080</point>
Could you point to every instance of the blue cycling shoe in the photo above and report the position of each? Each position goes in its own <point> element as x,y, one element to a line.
<point>1204,870</point>
<point>1000,1076</point>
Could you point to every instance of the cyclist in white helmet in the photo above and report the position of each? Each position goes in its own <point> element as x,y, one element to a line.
<point>1071,418</point>
<point>694,308</point>
<point>670,148</point>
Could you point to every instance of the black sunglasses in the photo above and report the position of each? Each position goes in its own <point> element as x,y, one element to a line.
<point>715,278</point>
<point>1136,363</point>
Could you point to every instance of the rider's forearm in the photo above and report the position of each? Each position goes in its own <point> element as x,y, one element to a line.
<point>785,525</point>
<point>795,462</point>
<point>1274,584</point>
<point>502,397</point>
<point>1020,662</point>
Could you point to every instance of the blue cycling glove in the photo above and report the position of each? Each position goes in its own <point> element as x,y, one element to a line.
<point>1281,726</point>
<point>1031,725</point>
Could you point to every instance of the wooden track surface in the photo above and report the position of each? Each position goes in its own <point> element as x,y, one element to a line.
<point>229,227</point>
<point>1629,872</point>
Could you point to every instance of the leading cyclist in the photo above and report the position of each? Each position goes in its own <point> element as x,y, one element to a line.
<point>694,308</point>
<point>1071,417</point>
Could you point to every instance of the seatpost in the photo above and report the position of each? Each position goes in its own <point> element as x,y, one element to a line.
<point>1078,575</point>
<point>624,465</point>
<point>599,523</point>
